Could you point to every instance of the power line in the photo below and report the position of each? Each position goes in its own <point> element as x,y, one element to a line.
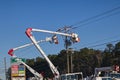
<point>100,40</point>
<point>94,18</point>
<point>93,46</point>
<point>97,19</point>
<point>104,43</point>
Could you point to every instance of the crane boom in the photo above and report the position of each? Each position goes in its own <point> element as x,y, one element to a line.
<point>73,36</point>
<point>11,51</point>
<point>35,73</point>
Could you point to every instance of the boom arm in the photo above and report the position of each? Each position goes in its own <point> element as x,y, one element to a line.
<point>11,51</point>
<point>37,75</point>
<point>73,36</point>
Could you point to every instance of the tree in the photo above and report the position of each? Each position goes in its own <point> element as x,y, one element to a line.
<point>85,60</point>
<point>117,53</point>
<point>117,49</point>
<point>109,48</point>
<point>39,59</point>
<point>108,55</point>
<point>61,61</point>
<point>31,62</point>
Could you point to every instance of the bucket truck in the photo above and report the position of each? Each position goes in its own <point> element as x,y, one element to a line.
<point>109,73</point>
<point>73,36</point>
<point>11,53</point>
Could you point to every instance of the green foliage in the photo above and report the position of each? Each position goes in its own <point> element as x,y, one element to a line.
<point>85,60</point>
<point>117,50</point>
<point>30,61</point>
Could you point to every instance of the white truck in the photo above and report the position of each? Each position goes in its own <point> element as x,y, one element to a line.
<point>109,74</point>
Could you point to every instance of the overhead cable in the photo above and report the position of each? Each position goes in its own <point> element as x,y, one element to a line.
<point>104,43</point>
<point>97,17</point>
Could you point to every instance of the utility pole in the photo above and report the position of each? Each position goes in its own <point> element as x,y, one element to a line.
<point>67,43</point>
<point>5,68</point>
<point>71,59</point>
<point>66,47</point>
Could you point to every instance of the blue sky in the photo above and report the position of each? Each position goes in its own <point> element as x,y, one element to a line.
<point>17,15</point>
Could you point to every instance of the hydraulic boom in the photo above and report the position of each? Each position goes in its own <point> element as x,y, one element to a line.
<point>11,53</point>
<point>73,36</point>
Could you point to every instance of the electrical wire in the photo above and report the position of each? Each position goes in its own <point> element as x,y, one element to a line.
<point>103,43</point>
<point>96,20</point>
<point>95,17</point>
<point>97,45</point>
<point>101,40</point>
